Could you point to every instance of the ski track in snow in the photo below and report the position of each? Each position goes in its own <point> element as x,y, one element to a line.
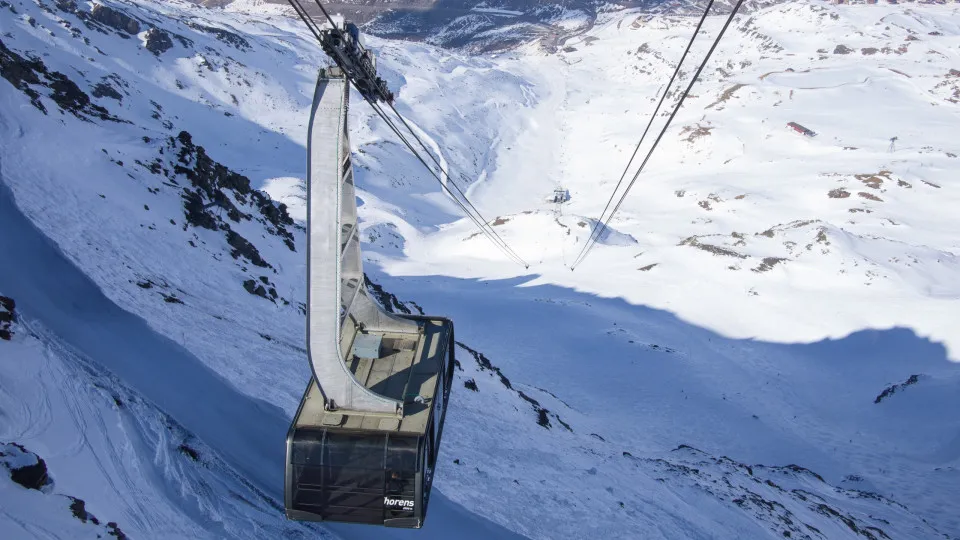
<point>756,295</point>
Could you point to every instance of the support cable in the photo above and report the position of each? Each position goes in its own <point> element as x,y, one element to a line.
<point>588,248</point>
<point>478,220</point>
<point>312,26</point>
<point>447,174</point>
<point>325,13</point>
<point>494,238</point>
<point>666,90</point>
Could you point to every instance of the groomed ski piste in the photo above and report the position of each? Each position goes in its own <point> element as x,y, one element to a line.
<point>762,346</point>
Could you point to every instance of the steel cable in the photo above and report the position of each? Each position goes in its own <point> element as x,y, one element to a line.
<point>589,246</point>
<point>666,91</point>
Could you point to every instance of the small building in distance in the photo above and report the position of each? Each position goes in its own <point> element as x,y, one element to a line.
<point>801,130</point>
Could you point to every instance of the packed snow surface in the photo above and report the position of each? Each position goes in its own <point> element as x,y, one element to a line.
<point>762,344</point>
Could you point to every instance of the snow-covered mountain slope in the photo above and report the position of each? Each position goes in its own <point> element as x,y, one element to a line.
<point>761,347</point>
<point>482,26</point>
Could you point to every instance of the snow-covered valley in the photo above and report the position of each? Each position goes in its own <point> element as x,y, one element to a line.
<point>764,345</point>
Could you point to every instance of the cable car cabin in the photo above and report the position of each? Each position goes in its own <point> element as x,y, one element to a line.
<point>371,468</point>
<point>363,445</point>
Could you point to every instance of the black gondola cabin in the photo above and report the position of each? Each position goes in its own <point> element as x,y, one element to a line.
<point>375,469</point>
<point>363,445</point>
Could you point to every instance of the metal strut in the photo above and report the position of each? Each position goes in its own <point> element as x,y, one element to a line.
<point>339,308</point>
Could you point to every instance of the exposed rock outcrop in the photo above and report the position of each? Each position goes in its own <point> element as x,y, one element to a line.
<point>158,41</point>
<point>28,75</point>
<point>115,19</point>
<point>25,468</point>
<point>8,316</point>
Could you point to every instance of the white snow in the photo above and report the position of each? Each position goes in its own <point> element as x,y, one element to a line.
<point>756,294</point>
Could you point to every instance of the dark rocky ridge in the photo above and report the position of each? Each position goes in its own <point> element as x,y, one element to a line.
<point>230,38</point>
<point>25,468</point>
<point>215,190</point>
<point>30,471</point>
<point>8,316</point>
<point>158,41</point>
<point>115,19</point>
<point>215,185</point>
<point>30,74</point>
<point>104,89</point>
<point>890,390</point>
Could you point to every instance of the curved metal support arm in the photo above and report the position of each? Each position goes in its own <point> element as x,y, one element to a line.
<point>338,305</point>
